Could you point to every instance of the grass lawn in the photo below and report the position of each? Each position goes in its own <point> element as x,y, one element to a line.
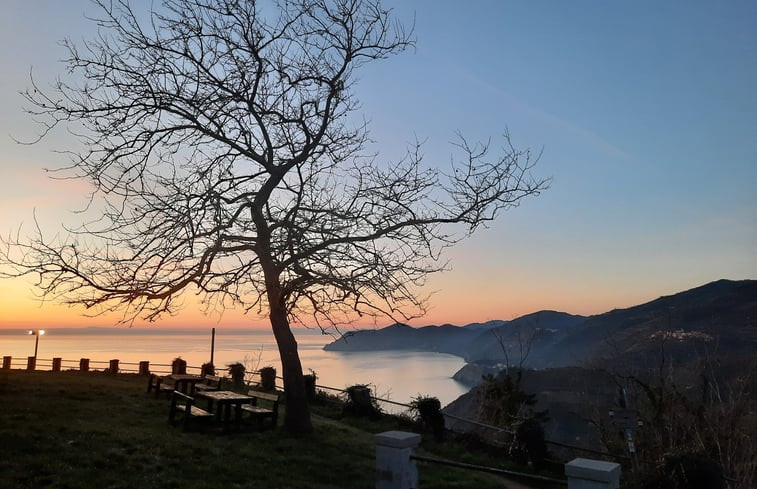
<point>92,430</point>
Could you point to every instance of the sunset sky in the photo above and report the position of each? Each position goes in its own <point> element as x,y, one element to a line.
<point>646,113</point>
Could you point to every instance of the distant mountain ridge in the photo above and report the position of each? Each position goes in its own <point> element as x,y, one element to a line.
<point>723,311</point>
<point>471,341</point>
<point>442,339</point>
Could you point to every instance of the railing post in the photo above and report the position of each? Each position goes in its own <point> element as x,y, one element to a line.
<point>31,363</point>
<point>84,365</point>
<point>56,364</point>
<point>144,367</point>
<point>584,473</point>
<point>7,363</point>
<point>394,467</point>
<point>113,367</point>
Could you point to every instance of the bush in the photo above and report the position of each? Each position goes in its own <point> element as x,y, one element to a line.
<point>236,371</point>
<point>360,403</point>
<point>268,378</point>
<point>686,470</point>
<point>429,413</point>
<point>530,443</point>
<point>310,380</point>
<point>207,369</point>
<point>179,366</point>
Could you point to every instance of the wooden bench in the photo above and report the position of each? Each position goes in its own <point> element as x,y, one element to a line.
<point>209,383</point>
<point>182,403</point>
<point>260,413</point>
<point>156,383</point>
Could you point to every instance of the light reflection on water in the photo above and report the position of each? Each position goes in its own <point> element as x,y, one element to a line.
<point>396,375</point>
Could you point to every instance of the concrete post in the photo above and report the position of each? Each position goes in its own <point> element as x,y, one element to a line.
<point>584,473</point>
<point>56,364</point>
<point>113,367</point>
<point>84,364</point>
<point>31,363</point>
<point>394,468</point>
<point>7,363</point>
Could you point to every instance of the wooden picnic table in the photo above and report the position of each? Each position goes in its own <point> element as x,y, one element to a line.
<point>184,382</point>
<point>220,403</point>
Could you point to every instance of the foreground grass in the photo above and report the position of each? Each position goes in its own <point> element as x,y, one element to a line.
<point>79,430</point>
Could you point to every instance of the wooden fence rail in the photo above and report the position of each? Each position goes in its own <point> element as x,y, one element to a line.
<point>56,364</point>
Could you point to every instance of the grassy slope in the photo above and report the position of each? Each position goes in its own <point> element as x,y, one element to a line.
<point>76,430</point>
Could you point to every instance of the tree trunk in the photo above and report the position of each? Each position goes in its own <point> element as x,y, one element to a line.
<point>297,418</point>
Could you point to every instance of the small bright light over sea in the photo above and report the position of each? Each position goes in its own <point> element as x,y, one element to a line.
<point>37,333</point>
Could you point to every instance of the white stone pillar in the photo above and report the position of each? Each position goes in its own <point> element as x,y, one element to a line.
<point>584,473</point>
<point>394,468</point>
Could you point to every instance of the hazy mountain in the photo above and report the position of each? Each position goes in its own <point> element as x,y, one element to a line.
<point>520,337</point>
<point>443,339</point>
<point>721,314</point>
<point>486,326</point>
<point>457,340</point>
<point>476,341</point>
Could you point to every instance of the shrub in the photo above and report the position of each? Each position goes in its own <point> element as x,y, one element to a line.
<point>360,403</point>
<point>207,369</point>
<point>178,366</point>
<point>268,378</point>
<point>429,413</point>
<point>310,380</point>
<point>686,470</point>
<point>530,442</point>
<point>236,371</point>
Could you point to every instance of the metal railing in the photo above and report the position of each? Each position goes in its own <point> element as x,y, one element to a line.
<point>488,470</point>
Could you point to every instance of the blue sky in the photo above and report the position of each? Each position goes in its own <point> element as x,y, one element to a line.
<point>646,113</point>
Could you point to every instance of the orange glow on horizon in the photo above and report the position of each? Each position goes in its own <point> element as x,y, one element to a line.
<point>459,302</point>
<point>455,305</point>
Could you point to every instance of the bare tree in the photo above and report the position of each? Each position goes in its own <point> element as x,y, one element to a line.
<point>520,336</point>
<point>225,162</point>
<point>694,415</point>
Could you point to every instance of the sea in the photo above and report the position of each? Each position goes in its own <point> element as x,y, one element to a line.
<point>397,376</point>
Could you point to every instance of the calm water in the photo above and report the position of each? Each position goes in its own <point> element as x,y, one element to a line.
<point>394,375</point>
